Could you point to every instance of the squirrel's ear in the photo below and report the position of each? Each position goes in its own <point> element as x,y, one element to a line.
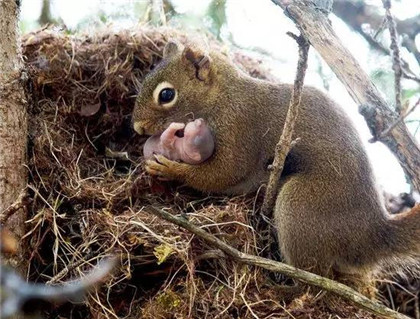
<point>171,48</point>
<point>200,61</point>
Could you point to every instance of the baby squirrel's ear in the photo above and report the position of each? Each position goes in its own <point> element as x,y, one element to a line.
<point>171,48</point>
<point>200,61</point>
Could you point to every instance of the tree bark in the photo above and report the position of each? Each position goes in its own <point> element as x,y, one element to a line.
<point>45,17</point>
<point>13,121</point>
<point>378,115</point>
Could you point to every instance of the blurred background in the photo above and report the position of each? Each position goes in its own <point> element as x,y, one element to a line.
<point>259,28</point>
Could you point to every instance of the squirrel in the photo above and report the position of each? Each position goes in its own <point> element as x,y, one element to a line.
<point>329,216</point>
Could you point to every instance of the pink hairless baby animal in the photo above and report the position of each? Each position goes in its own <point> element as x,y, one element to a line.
<point>194,147</point>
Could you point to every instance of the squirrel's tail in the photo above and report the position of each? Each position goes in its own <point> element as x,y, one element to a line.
<point>403,240</point>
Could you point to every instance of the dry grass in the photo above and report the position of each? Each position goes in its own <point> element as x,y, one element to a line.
<point>89,192</point>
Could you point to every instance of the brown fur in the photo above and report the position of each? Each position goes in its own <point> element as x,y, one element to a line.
<point>329,215</point>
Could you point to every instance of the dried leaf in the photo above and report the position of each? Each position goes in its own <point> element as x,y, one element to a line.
<point>114,154</point>
<point>90,109</point>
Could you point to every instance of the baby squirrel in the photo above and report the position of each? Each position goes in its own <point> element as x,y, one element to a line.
<point>194,146</point>
<point>329,216</point>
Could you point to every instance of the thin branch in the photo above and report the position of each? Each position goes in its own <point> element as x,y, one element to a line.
<point>410,44</point>
<point>410,76</point>
<point>286,143</point>
<point>380,29</point>
<point>66,270</point>
<point>396,60</point>
<point>401,118</point>
<point>337,288</point>
<point>407,73</point>
<point>356,13</point>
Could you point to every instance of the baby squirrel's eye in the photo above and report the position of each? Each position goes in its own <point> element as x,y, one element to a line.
<point>165,95</point>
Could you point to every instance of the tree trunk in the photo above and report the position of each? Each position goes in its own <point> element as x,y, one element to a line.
<point>45,17</point>
<point>13,121</point>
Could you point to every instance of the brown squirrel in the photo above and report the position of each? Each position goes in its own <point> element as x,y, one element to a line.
<point>329,215</point>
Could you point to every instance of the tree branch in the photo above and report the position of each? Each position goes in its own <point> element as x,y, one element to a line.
<point>317,29</point>
<point>400,119</point>
<point>337,288</point>
<point>396,60</point>
<point>407,73</point>
<point>356,13</point>
<point>285,143</point>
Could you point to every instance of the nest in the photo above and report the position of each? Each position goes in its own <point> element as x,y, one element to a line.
<point>89,194</point>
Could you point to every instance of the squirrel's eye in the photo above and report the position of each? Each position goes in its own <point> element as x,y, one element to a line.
<point>166,95</point>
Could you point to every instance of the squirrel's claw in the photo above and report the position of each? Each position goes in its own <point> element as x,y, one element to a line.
<point>164,168</point>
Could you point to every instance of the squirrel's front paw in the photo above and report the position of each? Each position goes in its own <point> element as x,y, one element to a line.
<point>164,168</point>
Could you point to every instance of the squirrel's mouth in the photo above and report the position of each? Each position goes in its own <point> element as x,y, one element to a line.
<point>180,133</point>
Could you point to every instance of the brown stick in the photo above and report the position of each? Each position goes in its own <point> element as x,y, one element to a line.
<point>317,29</point>
<point>396,60</point>
<point>286,143</point>
<point>337,288</point>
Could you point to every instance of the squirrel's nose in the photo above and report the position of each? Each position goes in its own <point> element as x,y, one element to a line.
<point>138,128</point>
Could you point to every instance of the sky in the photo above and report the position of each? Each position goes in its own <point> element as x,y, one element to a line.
<point>262,25</point>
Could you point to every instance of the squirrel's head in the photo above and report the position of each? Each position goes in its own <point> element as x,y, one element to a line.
<point>174,91</point>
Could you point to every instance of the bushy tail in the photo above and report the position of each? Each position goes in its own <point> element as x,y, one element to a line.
<point>403,240</point>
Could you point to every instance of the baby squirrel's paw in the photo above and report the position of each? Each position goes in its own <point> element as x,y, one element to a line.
<point>164,168</point>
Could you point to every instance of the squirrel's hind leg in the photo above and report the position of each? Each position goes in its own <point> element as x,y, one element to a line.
<point>312,234</point>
